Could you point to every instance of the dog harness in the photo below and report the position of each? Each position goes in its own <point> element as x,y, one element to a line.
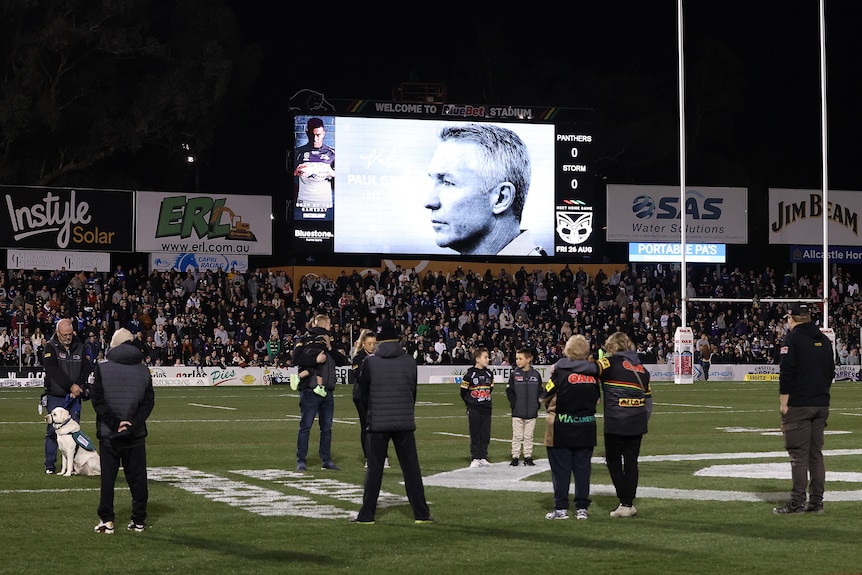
<point>82,441</point>
<point>81,438</point>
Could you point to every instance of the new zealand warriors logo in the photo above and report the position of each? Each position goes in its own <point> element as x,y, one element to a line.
<point>574,227</point>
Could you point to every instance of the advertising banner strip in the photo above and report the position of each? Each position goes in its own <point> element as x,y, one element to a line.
<point>653,214</point>
<point>666,252</point>
<point>183,262</point>
<point>796,217</point>
<point>837,254</point>
<point>55,260</point>
<point>445,374</point>
<point>66,218</point>
<point>217,224</point>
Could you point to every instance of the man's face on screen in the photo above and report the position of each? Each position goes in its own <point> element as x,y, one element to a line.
<point>315,136</point>
<point>460,203</point>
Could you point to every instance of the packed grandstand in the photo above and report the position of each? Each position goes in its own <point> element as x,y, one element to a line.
<point>224,318</point>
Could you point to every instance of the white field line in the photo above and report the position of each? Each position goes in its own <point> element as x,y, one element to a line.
<point>212,406</point>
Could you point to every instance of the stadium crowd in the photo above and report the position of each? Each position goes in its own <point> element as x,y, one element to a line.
<point>223,318</point>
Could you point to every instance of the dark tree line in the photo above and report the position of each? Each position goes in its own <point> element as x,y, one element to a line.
<point>105,93</point>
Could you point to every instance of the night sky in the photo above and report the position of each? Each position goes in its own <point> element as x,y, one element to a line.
<point>539,55</point>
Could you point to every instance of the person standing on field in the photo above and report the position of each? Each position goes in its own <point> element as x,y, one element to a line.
<point>522,391</point>
<point>805,377</point>
<point>628,406</point>
<point>570,397</point>
<point>67,373</point>
<point>476,387</point>
<point>317,401</point>
<point>123,399</point>
<point>387,383</point>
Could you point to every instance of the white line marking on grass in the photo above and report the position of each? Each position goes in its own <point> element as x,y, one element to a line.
<point>63,490</point>
<point>770,471</point>
<point>734,455</point>
<point>253,498</point>
<point>468,437</point>
<point>502,477</point>
<point>773,431</point>
<point>212,406</point>
<point>269,502</point>
<point>693,405</point>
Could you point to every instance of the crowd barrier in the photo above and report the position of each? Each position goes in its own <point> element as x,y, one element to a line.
<point>239,376</point>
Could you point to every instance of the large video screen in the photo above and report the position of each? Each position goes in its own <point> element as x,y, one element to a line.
<point>442,187</point>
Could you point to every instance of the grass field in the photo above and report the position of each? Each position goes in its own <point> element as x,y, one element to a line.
<point>224,497</point>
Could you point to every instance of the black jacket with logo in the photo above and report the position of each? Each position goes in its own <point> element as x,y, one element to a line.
<point>807,366</point>
<point>627,394</point>
<point>570,397</point>
<point>65,367</point>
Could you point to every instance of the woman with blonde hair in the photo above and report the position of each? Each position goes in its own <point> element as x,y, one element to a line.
<point>628,405</point>
<point>362,348</point>
<point>570,398</point>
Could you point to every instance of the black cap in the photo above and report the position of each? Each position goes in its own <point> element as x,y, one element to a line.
<point>798,309</point>
<point>387,331</point>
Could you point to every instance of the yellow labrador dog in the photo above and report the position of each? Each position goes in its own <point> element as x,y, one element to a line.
<point>79,455</point>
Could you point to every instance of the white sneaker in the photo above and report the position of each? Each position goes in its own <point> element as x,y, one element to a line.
<point>557,514</point>
<point>484,463</point>
<point>104,527</point>
<point>623,511</point>
<point>386,463</point>
<point>476,463</point>
<point>582,514</point>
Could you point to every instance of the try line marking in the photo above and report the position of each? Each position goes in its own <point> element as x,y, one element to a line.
<point>212,406</point>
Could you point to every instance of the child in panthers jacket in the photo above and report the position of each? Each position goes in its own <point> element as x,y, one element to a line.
<point>476,387</point>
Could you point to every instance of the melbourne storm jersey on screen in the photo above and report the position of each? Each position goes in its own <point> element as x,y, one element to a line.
<point>314,167</point>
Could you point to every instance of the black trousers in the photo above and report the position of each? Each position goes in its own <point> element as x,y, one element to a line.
<point>362,410</point>
<point>376,446</point>
<point>566,462</point>
<point>479,421</point>
<point>133,456</point>
<point>621,455</point>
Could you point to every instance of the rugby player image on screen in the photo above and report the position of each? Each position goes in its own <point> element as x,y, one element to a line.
<point>480,177</point>
<point>315,168</point>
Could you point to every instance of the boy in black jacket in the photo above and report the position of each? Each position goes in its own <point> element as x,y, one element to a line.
<point>523,389</point>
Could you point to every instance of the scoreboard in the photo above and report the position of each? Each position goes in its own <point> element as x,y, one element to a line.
<point>363,182</point>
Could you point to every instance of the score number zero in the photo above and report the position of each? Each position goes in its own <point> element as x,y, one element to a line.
<point>580,168</point>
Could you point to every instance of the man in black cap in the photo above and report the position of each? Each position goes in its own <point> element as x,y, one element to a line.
<point>806,374</point>
<point>387,382</point>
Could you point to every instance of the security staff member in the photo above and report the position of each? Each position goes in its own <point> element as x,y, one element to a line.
<point>805,376</point>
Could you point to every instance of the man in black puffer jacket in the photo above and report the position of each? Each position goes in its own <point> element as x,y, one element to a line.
<point>387,382</point>
<point>123,399</point>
